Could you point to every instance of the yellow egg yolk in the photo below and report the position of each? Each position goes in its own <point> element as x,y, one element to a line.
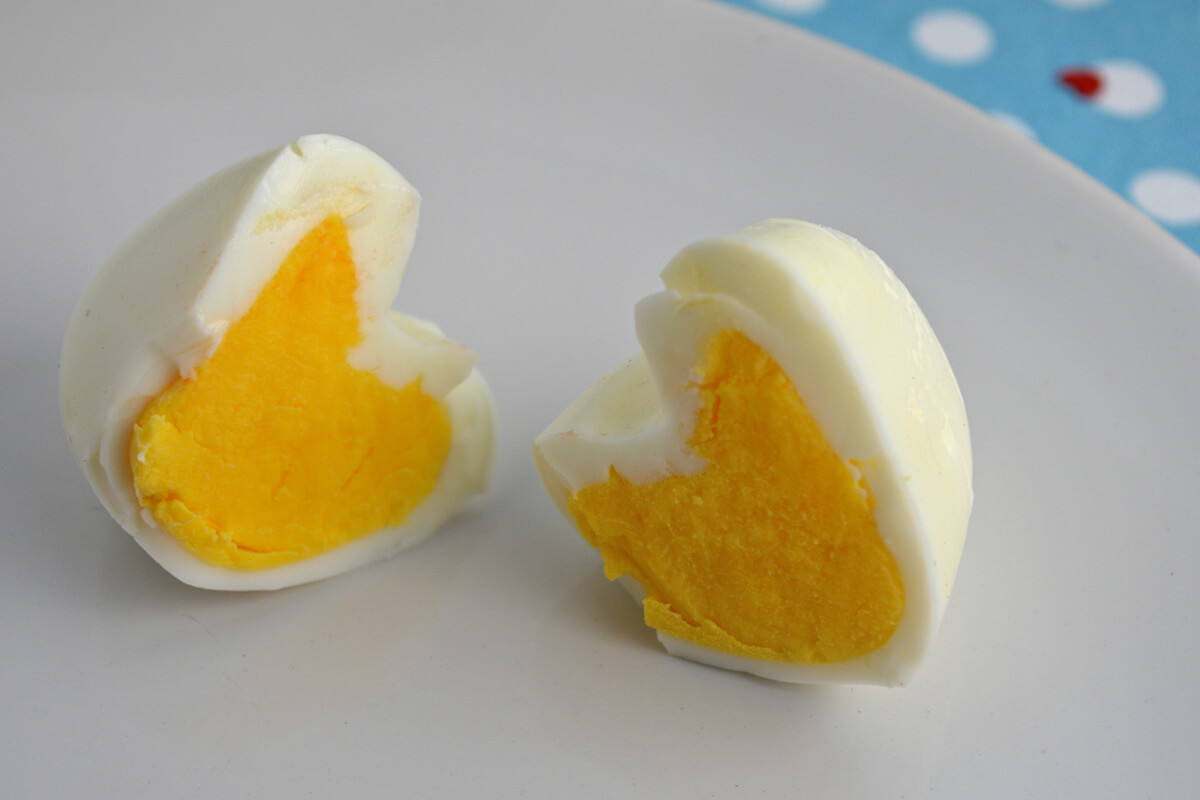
<point>278,450</point>
<point>771,551</point>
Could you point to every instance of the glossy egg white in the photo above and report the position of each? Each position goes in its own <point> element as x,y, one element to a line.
<point>865,361</point>
<point>160,305</point>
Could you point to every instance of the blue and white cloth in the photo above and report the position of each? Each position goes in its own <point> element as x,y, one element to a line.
<point>1111,85</point>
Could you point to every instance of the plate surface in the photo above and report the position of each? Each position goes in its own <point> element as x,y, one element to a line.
<point>564,153</point>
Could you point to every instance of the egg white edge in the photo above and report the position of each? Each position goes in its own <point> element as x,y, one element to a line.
<point>850,338</point>
<point>161,304</point>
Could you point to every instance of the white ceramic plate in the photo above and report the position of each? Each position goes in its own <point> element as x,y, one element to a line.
<point>565,151</point>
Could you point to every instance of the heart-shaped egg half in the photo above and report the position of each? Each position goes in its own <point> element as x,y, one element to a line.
<point>241,398</point>
<point>783,476</point>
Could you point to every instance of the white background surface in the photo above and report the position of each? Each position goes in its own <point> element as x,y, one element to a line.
<point>565,151</point>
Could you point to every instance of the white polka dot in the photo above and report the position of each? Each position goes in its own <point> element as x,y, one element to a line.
<point>793,6</point>
<point>1078,5</point>
<point>1128,89</point>
<point>1015,123</point>
<point>1170,195</point>
<point>952,37</point>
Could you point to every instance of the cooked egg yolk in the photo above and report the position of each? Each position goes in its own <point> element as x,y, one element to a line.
<point>771,551</point>
<point>278,449</point>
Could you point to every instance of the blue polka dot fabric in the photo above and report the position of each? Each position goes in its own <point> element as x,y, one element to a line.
<point>1111,85</point>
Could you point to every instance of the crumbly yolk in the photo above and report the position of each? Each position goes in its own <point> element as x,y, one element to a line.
<point>278,450</point>
<point>771,552</point>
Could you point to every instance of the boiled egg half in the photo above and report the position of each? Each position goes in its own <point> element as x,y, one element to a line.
<point>241,398</point>
<point>782,478</point>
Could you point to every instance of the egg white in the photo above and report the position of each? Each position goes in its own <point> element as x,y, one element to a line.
<point>159,307</point>
<point>867,364</point>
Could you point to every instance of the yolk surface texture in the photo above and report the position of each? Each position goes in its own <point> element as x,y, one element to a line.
<point>277,449</point>
<point>771,552</point>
